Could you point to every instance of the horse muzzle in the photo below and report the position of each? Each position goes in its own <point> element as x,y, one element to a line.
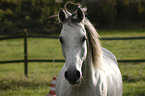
<point>73,77</point>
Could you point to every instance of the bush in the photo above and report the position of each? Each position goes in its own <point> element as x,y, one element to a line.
<point>117,13</point>
<point>16,15</point>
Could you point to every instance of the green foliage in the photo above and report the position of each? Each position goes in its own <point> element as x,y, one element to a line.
<point>117,13</point>
<point>16,15</point>
<point>30,14</point>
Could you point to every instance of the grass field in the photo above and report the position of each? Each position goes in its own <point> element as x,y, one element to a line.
<point>14,83</point>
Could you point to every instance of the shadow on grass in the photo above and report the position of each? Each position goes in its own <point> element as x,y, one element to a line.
<point>14,84</point>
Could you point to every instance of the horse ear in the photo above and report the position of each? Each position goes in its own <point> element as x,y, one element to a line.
<point>80,14</point>
<point>62,15</point>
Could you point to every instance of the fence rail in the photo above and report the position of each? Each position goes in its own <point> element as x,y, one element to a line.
<point>58,60</point>
<point>26,60</point>
<point>56,37</point>
<point>31,60</point>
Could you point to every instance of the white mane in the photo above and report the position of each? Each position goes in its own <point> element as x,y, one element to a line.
<point>94,43</point>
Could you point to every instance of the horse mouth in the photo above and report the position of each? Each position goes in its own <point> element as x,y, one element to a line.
<point>73,83</point>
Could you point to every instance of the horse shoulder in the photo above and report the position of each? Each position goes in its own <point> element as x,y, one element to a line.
<point>109,55</point>
<point>109,62</point>
<point>113,74</point>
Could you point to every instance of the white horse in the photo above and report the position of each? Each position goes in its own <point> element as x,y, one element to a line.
<point>89,69</point>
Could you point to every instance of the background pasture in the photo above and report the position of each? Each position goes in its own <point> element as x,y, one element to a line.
<point>14,83</point>
<point>16,15</point>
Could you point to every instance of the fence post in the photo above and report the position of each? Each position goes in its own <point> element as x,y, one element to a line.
<point>25,53</point>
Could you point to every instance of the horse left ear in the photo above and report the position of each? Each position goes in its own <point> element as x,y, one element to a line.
<point>80,15</point>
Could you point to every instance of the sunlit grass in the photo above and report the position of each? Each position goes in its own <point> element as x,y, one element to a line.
<point>14,83</point>
<point>126,49</point>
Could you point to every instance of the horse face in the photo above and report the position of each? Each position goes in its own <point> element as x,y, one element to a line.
<point>74,49</point>
<point>73,41</point>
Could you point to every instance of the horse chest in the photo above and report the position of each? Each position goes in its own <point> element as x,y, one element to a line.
<point>80,91</point>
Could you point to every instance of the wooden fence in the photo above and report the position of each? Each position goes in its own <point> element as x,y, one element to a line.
<point>26,60</point>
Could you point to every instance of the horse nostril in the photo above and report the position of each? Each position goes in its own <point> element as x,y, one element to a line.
<point>78,74</point>
<point>66,75</point>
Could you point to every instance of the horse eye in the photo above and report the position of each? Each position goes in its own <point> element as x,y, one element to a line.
<point>61,39</point>
<point>84,38</point>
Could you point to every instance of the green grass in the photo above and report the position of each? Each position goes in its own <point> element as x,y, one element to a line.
<point>122,33</point>
<point>130,49</point>
<point>14,83</point>
<point>37,48</point>
<point>132,72</point>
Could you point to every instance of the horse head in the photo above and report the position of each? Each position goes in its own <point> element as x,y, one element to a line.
<point>73,41</point>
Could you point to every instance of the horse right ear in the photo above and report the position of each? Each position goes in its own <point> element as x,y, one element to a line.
<point>62,15</point>
<point>80,14</point>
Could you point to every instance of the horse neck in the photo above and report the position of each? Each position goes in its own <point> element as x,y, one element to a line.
<point>88,67</point>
